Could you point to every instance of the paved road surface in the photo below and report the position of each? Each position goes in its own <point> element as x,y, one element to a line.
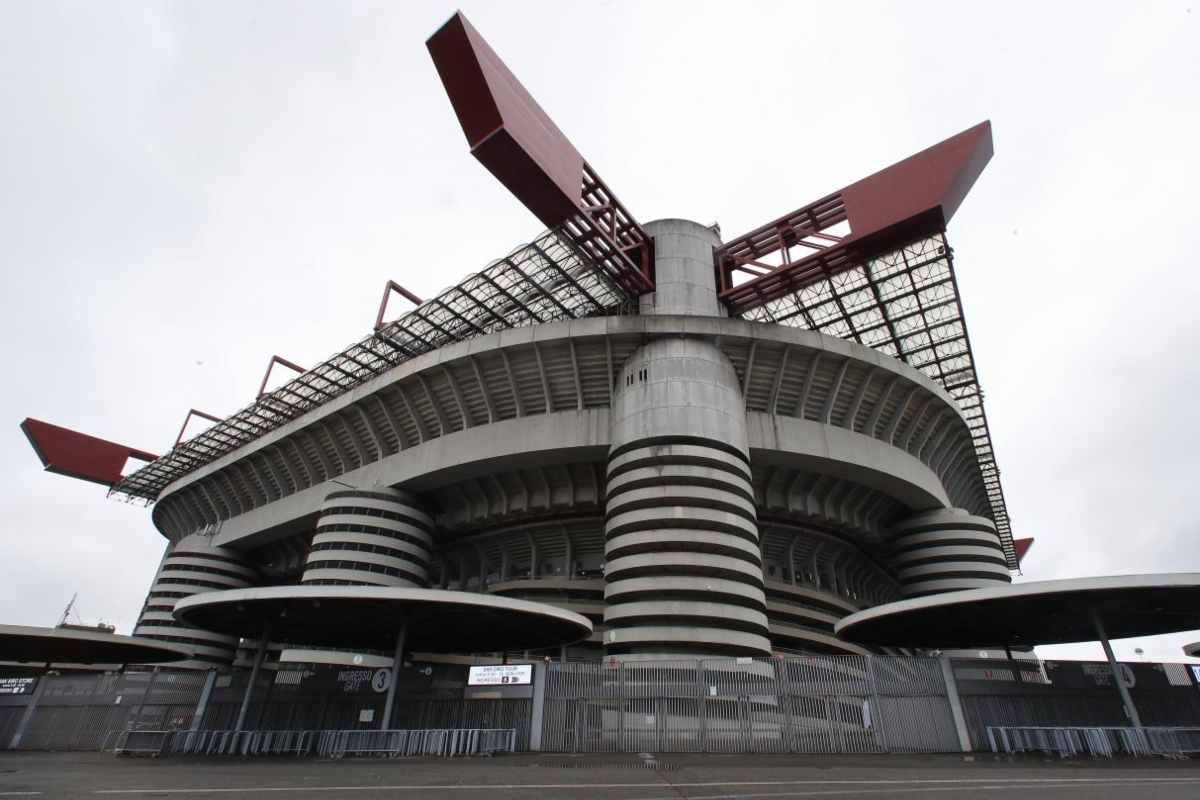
<point>72,776</point>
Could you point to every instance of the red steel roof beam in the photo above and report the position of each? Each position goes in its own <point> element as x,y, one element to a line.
<point>77,455</point>
<point>510,134</point>
<point>192,413</point>
<point>283,362</point>
<point>913,197</point>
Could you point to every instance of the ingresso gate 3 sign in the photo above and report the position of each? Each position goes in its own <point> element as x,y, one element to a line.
<point>500,675</point>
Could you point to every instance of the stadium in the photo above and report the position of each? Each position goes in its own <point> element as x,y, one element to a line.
<point>619,443</point>
<point>703,446</point>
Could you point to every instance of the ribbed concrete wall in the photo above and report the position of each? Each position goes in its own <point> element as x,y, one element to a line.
<point>378,537</point>
<point>191,566</point>
<point>683,570</point>
<point>947,550</point>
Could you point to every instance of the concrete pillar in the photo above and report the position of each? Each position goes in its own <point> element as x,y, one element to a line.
<point>205,697</point>
<point>539,706</point>
<point>19,733</point>
<point>683,568</point>
<point>258,660</point>
<point>1131,711</point>
<point>960,719</point>
<point>397,665</point>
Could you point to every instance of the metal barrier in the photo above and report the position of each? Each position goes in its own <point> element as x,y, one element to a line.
<point>324,744</point>
<point>137,742</point>
<point>438,742</point>
<point>1070,741</point>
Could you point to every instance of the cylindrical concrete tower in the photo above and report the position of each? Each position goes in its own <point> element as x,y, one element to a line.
<point>191,566</point>
<point>685,278</point>
<point>376,537</point>
<point>945,550</point>
<point>683,569</point>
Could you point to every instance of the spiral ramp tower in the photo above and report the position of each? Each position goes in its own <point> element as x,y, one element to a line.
<point>947,550</point>
<point>377,537</point>
<point>193,565</point>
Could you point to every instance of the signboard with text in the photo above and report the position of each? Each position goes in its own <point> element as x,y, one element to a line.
<point>17,685</point>
<point>501,675</point>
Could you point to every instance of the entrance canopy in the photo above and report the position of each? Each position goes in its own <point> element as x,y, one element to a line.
<point>369,617</point>
<point>33,645</point>
<point>1039,612</point>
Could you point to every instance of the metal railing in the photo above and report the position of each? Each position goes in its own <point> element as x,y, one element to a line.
<point>438,742</point>
<point>1070,741</point>
<point>321,743</point>
<point>138,742</point>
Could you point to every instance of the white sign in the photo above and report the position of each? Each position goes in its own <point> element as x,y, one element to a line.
<point>366,715</point>
<point>501,675</point>
<point>17,685</point>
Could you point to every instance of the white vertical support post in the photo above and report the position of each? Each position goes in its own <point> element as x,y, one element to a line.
<point>259,655</point>
<point>539,705</point>
<point>202,703</point>
<point>146,695</point>
<point>397,664</point>
<point>960,720</point>
<point>1127,701</point>
<point>876,706</point>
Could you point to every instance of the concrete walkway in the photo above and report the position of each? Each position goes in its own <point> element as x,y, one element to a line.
<point>609,777</point>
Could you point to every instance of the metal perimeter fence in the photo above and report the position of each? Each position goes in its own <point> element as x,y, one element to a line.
<point>447,742</point>
<point>794,704</point>
<point>785,704</point>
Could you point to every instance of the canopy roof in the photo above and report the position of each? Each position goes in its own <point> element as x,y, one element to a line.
<point>1039,612</point>
<point>369,617</point>
<point>47,645</point>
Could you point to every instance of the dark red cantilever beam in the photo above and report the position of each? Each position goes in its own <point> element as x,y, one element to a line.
<point>913,197</point>
<point>510,134</point>
<point>78,455</point>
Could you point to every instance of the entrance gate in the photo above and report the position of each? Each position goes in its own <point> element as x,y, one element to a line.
<point>796,704</point>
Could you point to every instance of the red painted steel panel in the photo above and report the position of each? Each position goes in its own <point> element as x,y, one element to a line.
<point>1021,546</point>
<point>507,130</point>
<point>916,196</point>
<point>78,455</point>
<point>934,180</point>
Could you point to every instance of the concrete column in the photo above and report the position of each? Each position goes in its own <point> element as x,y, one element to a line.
<point>397,664</point>
<point>683,568</point>
<point>29,710</point>
<point>146,695</point>
<point>960,719</point>
<point>1130,709</point>
<point>539,706</point>
<point>259,656</point>
<point>202,703</point>
<point>684,273</point>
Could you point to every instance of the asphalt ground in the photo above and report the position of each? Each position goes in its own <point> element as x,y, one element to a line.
<point>606,777</point>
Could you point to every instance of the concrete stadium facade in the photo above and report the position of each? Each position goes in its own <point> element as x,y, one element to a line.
<point>692,483</point>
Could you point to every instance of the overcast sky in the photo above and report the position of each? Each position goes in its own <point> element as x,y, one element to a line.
<point>187,188</point>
